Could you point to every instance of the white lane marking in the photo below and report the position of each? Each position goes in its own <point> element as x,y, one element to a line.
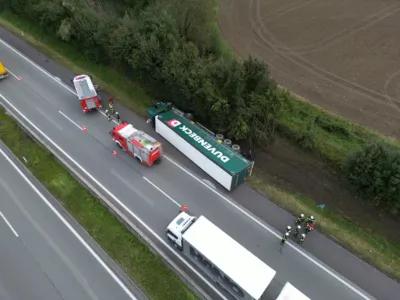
<point>294,247</point>
<point>104,114</point>
<point>118,201</point>
<point>91,251</point>
<point>76,234</point>
<point>210,183</point>
<point>52,244</point>
<point>162,192</point>
<point>8,70</point>
<point>9,224</point>
<point>36,66</point>
<point>69,119</point>
<point>132,187</point>
<point>49,119</point>
<point>210,188</point>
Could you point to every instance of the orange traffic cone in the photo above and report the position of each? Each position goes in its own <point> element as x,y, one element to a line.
<point>115,153</point>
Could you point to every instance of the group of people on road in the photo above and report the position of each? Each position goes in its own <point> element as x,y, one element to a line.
<point>111,108</point>
<point>309,224</point>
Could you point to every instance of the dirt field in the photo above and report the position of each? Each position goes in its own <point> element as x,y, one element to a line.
<point>342,55</point>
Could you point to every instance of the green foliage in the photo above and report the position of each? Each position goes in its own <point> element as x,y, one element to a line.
<point>168,46</point>
<point>375,173</point>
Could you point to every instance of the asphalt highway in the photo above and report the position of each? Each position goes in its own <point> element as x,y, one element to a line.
<point>150,197</point>
<point>41,257</point>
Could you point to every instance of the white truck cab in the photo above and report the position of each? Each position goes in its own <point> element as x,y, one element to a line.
<point>177,228</point>
<point>289,292</point>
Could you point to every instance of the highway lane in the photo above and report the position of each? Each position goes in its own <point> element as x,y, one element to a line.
<point>21,277</point>
<point>155,207</point>
<point>42,258</point>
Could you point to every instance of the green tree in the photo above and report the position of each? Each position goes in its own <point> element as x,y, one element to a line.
<point>374,172</point>
<point>263,113</point>
<point>23,7</point>
<point>122,40</point>
<point>194,19</point>
<point>256,76</point>
<point>155,37</point>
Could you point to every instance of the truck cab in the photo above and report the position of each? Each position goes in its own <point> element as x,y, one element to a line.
<point>87,93</point>
<point>157,109</point>
<point>137,143</point>
<point>177,228</point>
<point>3,71</point>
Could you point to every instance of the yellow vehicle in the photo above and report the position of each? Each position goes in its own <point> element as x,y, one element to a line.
<point>3,71</point>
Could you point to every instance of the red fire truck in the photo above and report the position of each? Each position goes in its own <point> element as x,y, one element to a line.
<point>137,143</point>
<point>87,93</point>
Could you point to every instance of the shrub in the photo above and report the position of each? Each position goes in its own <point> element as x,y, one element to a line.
<point>374,172</point>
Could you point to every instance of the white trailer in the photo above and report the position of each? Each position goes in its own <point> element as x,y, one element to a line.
<point>289,292</point>
<point>225,165</point>
<point>223,259</point>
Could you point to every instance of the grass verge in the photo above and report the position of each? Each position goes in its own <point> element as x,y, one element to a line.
<point>373,248</point>
<point>313,128</point>
<point>147,270</point>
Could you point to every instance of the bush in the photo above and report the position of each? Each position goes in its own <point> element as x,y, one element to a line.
<point>168,46</point>
<point>374,172</point>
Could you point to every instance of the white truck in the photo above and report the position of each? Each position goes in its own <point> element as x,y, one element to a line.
<point>289,292</point>
<point>224,260</point>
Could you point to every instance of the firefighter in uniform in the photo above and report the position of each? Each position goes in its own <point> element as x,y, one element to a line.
<point>111,105</point>
<point>118,117</point>
<point>288,229</point>
<point>108,115</point>
<point>302,238</point>
<point>284,237</point>
<point>300,219</point>
<point>297,230</point>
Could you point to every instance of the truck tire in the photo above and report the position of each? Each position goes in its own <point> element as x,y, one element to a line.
<point>173,242</point>
<point>119,145</point>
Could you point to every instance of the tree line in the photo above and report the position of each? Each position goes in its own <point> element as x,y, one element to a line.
<point>169,47</point>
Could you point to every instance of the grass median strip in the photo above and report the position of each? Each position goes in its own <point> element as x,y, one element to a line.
<point>146,269</point>
<point>327,135</point>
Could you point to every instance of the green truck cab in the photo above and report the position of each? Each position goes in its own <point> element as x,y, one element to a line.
<point>157,109</point>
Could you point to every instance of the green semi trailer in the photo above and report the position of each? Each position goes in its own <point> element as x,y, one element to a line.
<point>224,164</point>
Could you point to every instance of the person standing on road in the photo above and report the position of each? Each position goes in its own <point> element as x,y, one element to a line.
<point>300,219</point>
<point>288,229</point>
<point>297,230</point>
<point>111,105</point>
<point>302,238</point>
<point>310,220</point>
<point>118,117</point>
<point>284,238</point>
<point>108,115</point>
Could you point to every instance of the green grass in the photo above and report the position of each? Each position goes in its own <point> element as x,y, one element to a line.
<point>331,137</point>
<point>323,133</point>
<point>375,249</point>
<point>221,46</point>
<point>147,270</point>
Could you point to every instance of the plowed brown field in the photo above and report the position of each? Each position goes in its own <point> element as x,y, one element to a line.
<point>339,54</point>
